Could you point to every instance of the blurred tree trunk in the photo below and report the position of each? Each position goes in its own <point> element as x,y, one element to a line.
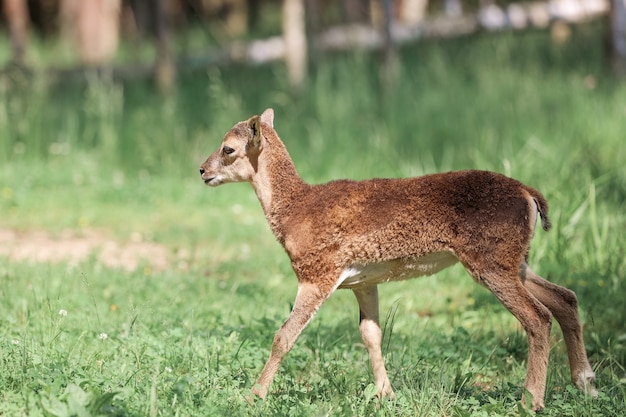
<point>617,38</point>
<point>313,25</point>
<point>313,15</point>
<point>294,34</point>
<point>390,58</point>
<point>377,13</point>
<point>144,16</point>
<point>93,26</point>
<point>165,68</point>
<point>412,12</point>
<point>254,8</point>
<point>16,12</point>
<point>237,17</point>
<point>355,11</point>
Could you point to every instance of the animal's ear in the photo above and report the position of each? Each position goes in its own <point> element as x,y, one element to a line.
<point>254,124</point>
<point>268,117</point>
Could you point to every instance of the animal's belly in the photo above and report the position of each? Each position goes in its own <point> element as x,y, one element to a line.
<point>396,270</point>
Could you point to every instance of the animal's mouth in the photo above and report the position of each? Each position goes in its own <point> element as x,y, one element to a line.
<point>209,180</point>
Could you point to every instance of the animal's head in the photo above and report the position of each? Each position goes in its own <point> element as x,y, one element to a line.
<point>237,157</point>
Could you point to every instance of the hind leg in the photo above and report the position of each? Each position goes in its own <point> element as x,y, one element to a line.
<point>372,336</point>
<point>536,321</point>
<point>563,305</point>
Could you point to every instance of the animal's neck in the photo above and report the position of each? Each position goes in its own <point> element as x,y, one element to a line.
<point>276,182</point>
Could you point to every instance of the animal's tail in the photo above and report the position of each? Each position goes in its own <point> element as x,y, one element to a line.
<point>542,207</point>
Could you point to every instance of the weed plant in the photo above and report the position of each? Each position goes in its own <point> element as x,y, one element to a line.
<point>82,339</point>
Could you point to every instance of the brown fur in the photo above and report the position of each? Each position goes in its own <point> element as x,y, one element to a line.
<point>357,234</point>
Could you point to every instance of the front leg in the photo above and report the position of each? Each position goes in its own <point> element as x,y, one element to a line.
<point>308,300</point>
<point>372,337</point>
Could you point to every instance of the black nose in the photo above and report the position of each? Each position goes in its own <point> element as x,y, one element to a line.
<point>201,171</point>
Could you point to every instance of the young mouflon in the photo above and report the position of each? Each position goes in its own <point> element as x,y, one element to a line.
<point>358,234</point>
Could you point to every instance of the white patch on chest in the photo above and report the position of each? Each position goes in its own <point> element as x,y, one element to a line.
<point>357,275</point>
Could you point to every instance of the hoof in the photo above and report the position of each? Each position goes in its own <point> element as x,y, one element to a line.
<point>257,392</point>
<point>530,401</point>
<point>585,383</point>
<point>538,407</point>
<point>386,393</point>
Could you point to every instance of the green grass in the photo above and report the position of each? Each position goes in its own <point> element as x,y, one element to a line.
<point>191,339</point>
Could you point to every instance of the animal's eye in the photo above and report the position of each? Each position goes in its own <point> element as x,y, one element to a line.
<point>227,150</point>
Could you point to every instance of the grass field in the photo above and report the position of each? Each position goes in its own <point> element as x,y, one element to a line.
<point>118,163</point>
